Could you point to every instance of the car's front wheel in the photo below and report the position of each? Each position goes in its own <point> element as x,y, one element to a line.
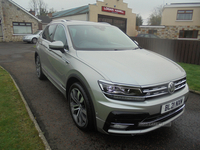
<point>39,72</point>
<point>80,107</point>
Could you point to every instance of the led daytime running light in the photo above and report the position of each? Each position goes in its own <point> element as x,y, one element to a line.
<point>120,92</point>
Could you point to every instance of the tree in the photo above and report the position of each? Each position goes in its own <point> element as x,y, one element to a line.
<point>155,17</point>
<point>33,5</point>
<point>39,6</point>
<point>42,6</point>
<point>139,20</point>
<point>52,10</point>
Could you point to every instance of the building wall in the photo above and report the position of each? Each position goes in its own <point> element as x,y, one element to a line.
<point>82,17</point>
<point>171,27</point>
<point>117,4</point>
<point>169,16</point>
<point>9,14</point>
<point>1,22</point>
<point>44,25</point>
<point>169,32</point>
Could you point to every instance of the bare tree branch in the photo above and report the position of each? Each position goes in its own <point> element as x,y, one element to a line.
<point>33,5</point>
<point>39,6</point>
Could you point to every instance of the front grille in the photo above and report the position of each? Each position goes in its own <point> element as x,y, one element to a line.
<point>155,91</point>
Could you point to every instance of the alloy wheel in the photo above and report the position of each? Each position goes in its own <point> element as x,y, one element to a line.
<point>78,107</point>
<point>38,66</point>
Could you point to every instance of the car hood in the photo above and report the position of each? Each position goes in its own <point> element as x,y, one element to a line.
<point>136,67</point>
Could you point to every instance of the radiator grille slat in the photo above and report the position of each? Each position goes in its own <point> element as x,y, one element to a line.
<point>156,91</point>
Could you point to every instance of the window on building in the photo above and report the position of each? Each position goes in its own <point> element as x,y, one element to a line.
<point>22,28</point>
<point>188,34</point>
<point>152,31</point>
<point>184,14</point>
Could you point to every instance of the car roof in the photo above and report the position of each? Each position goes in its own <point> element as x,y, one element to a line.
<point>76,22</point>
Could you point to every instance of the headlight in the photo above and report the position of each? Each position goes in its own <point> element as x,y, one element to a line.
<point>121,92</point>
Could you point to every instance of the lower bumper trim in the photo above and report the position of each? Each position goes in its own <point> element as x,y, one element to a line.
<point>132,132</point>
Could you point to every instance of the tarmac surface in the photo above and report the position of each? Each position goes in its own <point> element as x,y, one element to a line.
<point>51,111</point>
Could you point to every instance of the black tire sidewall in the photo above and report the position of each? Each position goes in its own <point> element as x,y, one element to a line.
<point>42,76</point>
<point>33,41</point>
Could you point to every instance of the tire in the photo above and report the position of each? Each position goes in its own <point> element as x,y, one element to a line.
<point>34,41</point>
<point>38,65</point>
<point>81,108</point>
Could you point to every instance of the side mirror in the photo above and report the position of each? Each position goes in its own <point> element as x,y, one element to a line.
<point>57,45</point>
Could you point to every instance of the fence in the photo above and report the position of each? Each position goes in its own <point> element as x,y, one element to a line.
<point>186,51</point>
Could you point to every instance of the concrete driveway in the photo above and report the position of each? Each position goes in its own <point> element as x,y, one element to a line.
<point>51,111</point>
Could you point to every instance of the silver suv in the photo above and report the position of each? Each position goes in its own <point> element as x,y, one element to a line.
<point>111,84</point>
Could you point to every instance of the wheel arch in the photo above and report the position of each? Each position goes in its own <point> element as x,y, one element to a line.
<point>75,78</point>
<point>36,54</point>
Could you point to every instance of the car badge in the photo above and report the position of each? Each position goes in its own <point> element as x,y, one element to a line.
<point>171,87</point>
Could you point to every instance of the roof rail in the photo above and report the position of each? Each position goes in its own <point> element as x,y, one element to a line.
<point>60,20</point>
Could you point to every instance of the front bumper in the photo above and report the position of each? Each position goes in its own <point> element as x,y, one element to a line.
<point>138,123</point>
<point>26,40</point>
<point>138,118</point>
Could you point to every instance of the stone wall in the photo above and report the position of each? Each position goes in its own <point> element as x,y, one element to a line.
<point>9,14</point>
<point>1,20</point>
<point>168,32</point>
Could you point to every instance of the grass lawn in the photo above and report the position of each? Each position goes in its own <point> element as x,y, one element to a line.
<point>193,76</point>
<point>17,131</point>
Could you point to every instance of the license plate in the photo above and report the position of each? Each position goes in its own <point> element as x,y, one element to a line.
<point>172,105</point>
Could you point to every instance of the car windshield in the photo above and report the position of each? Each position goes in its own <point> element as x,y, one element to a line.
<point>99,37</point>
<point>37,32</point>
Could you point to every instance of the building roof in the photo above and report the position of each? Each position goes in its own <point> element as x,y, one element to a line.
<point>24,10</point>
<point>182,5</point>
<point>45,19</point>
<point>71,12</point>
<point>149,26</point>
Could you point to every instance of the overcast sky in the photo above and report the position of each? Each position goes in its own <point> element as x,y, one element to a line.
<point>142,7</point>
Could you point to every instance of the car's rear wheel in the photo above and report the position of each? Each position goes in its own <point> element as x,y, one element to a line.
<point>80,107</point>
<point>34,41</point>
<point>39,72</point>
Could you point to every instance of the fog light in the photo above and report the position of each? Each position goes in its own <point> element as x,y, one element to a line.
<point>121,126</point>
<point>117,126</point>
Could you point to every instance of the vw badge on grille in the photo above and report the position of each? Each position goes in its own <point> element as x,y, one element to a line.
<point>171,87</point>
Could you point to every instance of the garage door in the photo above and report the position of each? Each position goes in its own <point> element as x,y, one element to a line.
<point>119,22</point>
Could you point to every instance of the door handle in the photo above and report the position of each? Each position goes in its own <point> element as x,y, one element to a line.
<point>66,61</point>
